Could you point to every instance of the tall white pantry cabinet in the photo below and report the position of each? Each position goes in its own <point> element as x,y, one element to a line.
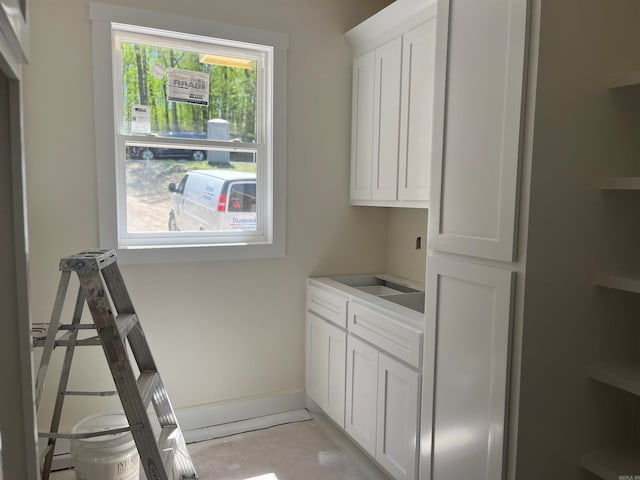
<point>471,269</point>
<point>526,126</point>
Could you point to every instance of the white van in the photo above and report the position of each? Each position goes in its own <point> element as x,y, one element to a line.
<point>219,200</point>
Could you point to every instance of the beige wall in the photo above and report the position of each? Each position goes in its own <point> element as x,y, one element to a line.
<point>405,224</point>
<point>225,330</point>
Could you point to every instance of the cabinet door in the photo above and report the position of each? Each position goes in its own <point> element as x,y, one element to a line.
<point>398,417</point>
<point>362,126</point>
<point>470,311</point>
<point>326,366</point>
<point>317,360</point>
<point>477,133</point>
<point>362,391</point>
<point>418,63</point>
<point>386,120</point>
<point>337,369</point>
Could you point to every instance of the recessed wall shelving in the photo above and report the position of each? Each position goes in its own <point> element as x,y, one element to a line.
<point>620,183</point>
<point>613,464</point>
<point>624,79</point>
<point>627,282</point>
<point>622,375</point>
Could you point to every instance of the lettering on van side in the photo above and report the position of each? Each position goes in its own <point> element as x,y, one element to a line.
<point>240,223</point>
<point>209,192</point>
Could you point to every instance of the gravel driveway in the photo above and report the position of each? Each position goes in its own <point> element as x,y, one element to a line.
<point>148,196</point>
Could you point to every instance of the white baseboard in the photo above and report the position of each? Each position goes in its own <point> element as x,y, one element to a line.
<point>216,420</point>
<point>209,433</point>
<point>194,418</point>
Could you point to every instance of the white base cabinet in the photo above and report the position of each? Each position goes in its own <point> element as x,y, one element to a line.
<point>366,377</point>
<point>383,401</point>
<point>326,355</point>
<point>398,418</point>
<point>362,393</point>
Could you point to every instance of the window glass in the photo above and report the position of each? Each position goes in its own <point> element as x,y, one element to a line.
<point>184,94</point>
<point>181,93</point>
<point>195,110</point>
<point>161,195</point>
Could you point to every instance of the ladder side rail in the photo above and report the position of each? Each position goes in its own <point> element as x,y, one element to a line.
<point>62,385</point>
<point>49,343</point>
<point>119,364</point>
<point>140,348</point>
<point>117,289</point>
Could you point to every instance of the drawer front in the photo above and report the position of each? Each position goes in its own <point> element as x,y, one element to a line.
<point>328,305</point>
<point>391,335</point>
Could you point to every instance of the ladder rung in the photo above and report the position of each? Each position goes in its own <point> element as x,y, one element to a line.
<point>85,342</point>
<point>147,383</point>
<point>173,451</point>
<point>65,337</point>
<point>80,326</point>
<point>166,445</point>
<point>106,393</point>
<point>125,322</point>
<point>102,433</point>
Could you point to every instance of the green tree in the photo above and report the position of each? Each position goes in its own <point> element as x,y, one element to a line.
<point>232,91</point>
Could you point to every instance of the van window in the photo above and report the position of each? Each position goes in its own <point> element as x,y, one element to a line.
<point>183,182</point>
<point>242,197</point>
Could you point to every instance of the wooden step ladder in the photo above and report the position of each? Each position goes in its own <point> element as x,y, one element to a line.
<point>116,323</point>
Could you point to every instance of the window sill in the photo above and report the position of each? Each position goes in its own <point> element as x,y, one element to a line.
<point>190,253</point>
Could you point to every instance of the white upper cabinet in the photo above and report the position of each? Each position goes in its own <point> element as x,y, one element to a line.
<point>362,127</point>
<point>386,128</point>
<point>418,59</point>
<point>392,105</point>
<point>477,131</point>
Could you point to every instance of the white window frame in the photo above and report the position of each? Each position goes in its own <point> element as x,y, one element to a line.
<point>199,246</point>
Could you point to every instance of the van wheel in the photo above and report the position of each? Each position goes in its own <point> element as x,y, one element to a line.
<point>198,156</point>
<point>172,223</point>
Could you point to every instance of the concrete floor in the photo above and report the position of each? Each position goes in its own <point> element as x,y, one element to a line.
<point>313,450</point>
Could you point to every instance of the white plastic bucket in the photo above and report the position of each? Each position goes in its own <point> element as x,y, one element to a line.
<point>109,457</point>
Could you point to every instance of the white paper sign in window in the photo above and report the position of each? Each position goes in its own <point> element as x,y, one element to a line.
<point>187,86</point>
<point>141,119</point>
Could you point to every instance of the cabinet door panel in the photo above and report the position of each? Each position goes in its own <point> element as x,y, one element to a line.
<point>397,426</point>
<point>418,63</point>
<point>477,136</point>
<point>362,390</point>
<point>336,364</point>
<point>471,309</point>
<point>362,126</point>
<point>317,360</point>
<point>386,120</point>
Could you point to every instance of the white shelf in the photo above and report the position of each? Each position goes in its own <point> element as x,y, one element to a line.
<point>620,183</point>
<point>626,282</point>
<point>613,464</point>
<point>624,79</point>
<point>622,375</point>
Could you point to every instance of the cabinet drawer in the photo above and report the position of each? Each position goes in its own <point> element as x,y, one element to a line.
<point>390,334</point>
<point>328,305</point>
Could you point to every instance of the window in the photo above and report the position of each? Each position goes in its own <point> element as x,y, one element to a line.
<point>190,139</point>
